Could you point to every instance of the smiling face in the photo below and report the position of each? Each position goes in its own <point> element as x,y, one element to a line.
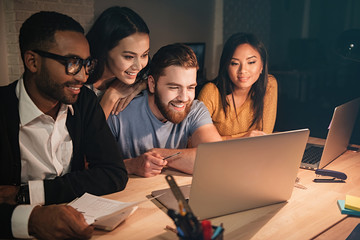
<point>245,67</point>
<point>129,57</point>
<point>174,93</point>
<point>51,81</point>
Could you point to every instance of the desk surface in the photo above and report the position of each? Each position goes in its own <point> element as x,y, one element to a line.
<point>310,213</point>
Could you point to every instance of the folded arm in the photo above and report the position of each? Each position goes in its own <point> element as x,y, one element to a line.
<point>251,133</point>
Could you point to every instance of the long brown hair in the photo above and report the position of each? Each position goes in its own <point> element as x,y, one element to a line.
<point>226,86</point>
<point>114,24</point>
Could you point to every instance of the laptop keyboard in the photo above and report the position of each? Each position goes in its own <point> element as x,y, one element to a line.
<point>312,154</point>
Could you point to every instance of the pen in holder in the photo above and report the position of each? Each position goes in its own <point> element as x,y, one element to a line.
<point>187,224</point>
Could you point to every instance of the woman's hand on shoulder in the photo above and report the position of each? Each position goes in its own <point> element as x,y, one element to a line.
<point>119,95</point>
<point>128,94</point>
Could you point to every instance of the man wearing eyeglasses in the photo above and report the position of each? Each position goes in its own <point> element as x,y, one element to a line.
<point>55,144</point>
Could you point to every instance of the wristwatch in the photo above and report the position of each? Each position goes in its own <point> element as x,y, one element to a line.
<point>23,196</point>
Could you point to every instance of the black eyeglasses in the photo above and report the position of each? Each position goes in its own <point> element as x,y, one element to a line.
<point>73,64</point>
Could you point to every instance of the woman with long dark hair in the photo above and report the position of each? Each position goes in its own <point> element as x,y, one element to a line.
<point>242,99</point>
<point>119,40</point>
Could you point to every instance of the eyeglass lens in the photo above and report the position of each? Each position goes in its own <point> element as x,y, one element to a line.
<point>74,65</point>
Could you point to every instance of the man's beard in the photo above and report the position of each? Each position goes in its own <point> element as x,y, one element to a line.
<point>53,90</point>
<point>171,115</point>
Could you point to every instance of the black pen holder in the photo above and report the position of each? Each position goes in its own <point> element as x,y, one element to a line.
<point>188,226</point>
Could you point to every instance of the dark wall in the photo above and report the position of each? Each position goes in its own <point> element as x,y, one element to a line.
<point>301,37</point>
<point>313,78</point>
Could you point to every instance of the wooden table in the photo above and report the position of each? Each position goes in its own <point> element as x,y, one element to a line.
<point>310,213</point>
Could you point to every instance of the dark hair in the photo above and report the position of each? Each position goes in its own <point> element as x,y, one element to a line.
<point>114,24</point>
<point>172,55</point>
<point>226,86</point>
<point>38,31</point>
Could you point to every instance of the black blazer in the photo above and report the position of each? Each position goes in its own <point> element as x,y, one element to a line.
<point>93,142</point>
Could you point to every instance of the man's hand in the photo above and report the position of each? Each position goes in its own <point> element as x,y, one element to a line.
<point>148,164</point>
<point>58,222</point>
<point>8,194</point>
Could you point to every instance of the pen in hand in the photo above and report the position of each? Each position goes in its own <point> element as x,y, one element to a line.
<point>171,155</point>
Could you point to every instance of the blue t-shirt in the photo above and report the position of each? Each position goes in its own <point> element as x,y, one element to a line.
<point>137,130</point>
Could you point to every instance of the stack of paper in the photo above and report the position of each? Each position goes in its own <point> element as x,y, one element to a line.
<point>350,206</point>
<point>103,213</point>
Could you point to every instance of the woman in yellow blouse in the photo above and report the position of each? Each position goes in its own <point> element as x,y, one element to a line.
<point>242,100</point>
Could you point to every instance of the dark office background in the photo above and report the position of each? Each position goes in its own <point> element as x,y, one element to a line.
<point>300,36</point>
<point>301,39</point>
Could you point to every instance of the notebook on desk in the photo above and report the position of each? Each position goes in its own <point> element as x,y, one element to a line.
<point>337,140</point>
<point>242,174</point>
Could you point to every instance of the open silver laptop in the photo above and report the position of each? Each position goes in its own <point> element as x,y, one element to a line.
<point>241,174</point>
<point>337,140</point>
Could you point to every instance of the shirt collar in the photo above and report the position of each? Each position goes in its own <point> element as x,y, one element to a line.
<point>28,111</point>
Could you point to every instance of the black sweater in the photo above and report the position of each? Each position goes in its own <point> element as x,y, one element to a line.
<point>92,142</point>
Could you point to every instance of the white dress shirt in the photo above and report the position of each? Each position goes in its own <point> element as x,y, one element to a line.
<point>45,149</point>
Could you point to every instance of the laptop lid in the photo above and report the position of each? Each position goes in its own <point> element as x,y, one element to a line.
<point>342,125</point>
<point>339,134</point>
<point>240,174</point>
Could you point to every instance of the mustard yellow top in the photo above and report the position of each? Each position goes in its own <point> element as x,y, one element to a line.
<point>237,126</point>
